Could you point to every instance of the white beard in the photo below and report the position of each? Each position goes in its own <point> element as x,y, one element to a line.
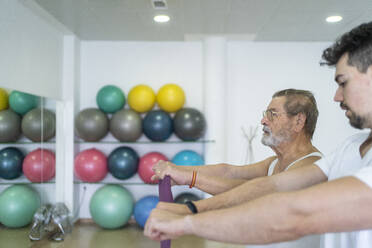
<point>274,140</point>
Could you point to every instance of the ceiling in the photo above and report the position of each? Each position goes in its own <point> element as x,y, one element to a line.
<point>261,20</point>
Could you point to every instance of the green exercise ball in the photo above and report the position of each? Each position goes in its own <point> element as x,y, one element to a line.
<point>21,102</point>
<point>110,99</point>
<point>18,204</point>
<point>111,206</point>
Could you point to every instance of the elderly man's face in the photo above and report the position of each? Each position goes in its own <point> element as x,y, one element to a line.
<point>354,93</point>
<point>277,127</point>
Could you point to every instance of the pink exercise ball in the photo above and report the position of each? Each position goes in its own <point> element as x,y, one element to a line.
<point>146,163</point>
<point>39,165</point>
<point>91,165</point>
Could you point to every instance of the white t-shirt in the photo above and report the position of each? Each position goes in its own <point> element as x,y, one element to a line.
<point>312,241</point>
<point>346,161</point>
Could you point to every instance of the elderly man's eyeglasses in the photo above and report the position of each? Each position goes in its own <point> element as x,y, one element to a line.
<point>270,114</point>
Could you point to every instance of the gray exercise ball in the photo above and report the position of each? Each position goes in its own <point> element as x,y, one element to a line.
<point>126,125</point>
<point>91,124</point>
<point>10,126</point>
<point>39,124</point>
<point>189,124</point>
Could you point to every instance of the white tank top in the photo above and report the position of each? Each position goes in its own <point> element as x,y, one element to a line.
<point>270,171</point>
<point>312,241</point>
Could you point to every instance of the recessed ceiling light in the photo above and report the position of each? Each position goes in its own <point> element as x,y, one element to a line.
<point>161,18</point>
<point>334,18</point>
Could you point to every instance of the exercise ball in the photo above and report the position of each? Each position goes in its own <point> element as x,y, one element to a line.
<point>185,197</point>
<point>123,162</point>
<point>91,124</point>
<point>126,125</point>
<point>141,98</point>
<point>11,159</point>
<point>91,165</point>
<point>18,204</point>
<point>157,125</point>
<point>146,163</point>
<point>189,124</point>
<point>10,126</point>
<point>170,98</point>
<point>21,102</point>
<point>39,124</point>
<point>143,208</point>
<point>39,165</point>
<point>4,99</point>
<point>110,99</point>
<point>187,157</point>
<point>111,206</point>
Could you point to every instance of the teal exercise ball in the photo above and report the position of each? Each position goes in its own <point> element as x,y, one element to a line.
<point>187,157</point>
<point>18,204</point>
<point>110,99</point>
<point>111,206</point>
<point>21,102</point>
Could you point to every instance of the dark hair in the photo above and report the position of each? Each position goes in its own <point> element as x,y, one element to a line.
<point>301,101</point>
<point>357,43</point>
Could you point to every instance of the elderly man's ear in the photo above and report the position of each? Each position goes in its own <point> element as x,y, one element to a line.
<point>300,120</point>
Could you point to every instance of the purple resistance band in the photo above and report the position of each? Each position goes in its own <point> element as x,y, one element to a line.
<point>165,195</point>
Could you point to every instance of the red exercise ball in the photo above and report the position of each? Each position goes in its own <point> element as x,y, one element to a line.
<point>39,165</point>
<point>146,163</point>
<point>91,165</point>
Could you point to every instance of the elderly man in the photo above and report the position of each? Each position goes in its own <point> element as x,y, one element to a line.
<point>288,125</point>
<point>339,207</point>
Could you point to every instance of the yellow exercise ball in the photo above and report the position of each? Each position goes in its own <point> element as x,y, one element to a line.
<point>141,98</point>
<point>170,97</point>
<point>4,102</point>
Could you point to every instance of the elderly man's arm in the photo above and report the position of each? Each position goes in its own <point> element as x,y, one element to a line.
<point>335,206</point>
<point>286,181</point>
<point>213,179</point>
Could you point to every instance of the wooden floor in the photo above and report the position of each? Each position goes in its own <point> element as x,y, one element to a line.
<point>91,236</point>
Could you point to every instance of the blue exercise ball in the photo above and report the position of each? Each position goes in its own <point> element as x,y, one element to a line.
<point>11,160</point>
<point>157,125</point>
<point>123,162</point>
<point>187,157</point>
<point>143,208</point>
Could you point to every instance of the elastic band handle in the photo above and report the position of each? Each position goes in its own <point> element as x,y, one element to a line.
<point>165,195</point>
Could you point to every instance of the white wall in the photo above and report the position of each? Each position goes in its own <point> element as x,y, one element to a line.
<point>32,54</point>
<point>31,50</point>
<point>257,70</point>
<point>127,64</point>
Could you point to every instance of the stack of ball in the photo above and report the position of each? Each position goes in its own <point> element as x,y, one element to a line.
<point>19,114</point>
<point>111,205</point>
<point>127,124</point>
<point>92,165</point>
<point>38,165</point>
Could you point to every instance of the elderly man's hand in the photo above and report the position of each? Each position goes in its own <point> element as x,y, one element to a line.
<point>178,175</point>
<point>163,225</point>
